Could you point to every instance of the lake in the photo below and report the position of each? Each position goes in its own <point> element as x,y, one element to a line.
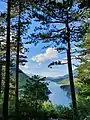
<point>58,95</point>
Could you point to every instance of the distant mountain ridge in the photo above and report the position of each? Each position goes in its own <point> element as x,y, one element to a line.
<point>60,78</point>
<point>23,77</point>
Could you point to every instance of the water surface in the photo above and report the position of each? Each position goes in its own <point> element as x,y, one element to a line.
<point>58,95</point>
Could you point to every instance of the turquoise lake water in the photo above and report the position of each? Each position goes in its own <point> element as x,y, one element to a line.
<point>58,95</point>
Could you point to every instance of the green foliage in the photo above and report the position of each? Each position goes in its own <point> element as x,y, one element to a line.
<point>63,82</point>
<point>84,3</point>
<point>84,73</point>
<point>35,89</point>
<point>49,109</point>
<point>65,112</point>
<point>33,103</point>
<point>32,95</point>
<point>83,78</point>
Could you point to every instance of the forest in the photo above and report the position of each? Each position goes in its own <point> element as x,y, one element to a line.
<point>44,59</point>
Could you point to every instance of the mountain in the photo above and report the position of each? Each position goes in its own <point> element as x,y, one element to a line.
<point>22,76</point>
<point>60,78</point>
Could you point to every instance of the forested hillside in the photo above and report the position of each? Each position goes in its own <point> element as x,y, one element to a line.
<point>49,38</point>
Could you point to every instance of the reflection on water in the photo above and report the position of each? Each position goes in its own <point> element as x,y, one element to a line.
<point>58,95</point>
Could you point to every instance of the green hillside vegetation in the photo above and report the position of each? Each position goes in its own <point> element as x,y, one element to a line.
<point>61,29</point>
<point>62,82</point>
<point>22,76</point>
<point>65,82</point>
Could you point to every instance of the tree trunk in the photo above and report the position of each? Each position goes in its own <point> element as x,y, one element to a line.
<point>0,71</point>
<point>17,62</point>
<point>0,76</point>
<point>71,82</point>
<point>70,69</point>
<point>7,72</point>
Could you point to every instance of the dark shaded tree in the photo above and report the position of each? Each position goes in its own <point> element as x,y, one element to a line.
<point>0,69</point>
<point>84,3</point>
<point>17,60</point>
<point>70,67</point>
<point>34,93</point>
<point>50,14</point>
<point>7,74</point>
<point>83,77</point>
<point>2,51</point>
<point>53,12</point>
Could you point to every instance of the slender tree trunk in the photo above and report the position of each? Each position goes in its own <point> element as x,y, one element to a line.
<point>7,74</point>
<point>0,71</point>
<point>0,76</point>
<point>71,82</point>
<point>17,62</point>
<point>70,69</point>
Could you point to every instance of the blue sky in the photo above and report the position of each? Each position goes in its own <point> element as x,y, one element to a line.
<point>2,6</point>
<point>38,58</point>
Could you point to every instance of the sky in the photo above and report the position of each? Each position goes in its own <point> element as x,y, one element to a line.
<point>39,59</point>
<point>2,6</point>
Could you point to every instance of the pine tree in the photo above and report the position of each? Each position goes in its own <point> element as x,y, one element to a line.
<point>17,59</point>
<point>7,74</point>
<point>2,51</point>
<point>53,12</point>
<point>0,74</point>
<point>75,115</point>
<point>83,77</point>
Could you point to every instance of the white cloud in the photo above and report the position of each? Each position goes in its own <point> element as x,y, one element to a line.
<point>50,53</point>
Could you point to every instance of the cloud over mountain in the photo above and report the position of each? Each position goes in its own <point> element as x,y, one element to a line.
<point>50,53</point>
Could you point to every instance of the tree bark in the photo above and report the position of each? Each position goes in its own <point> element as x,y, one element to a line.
<point>0,71</point>
<point>17,61</point>
<point>0,76</point>
<point>72,87</point>
<point>7,72</point>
